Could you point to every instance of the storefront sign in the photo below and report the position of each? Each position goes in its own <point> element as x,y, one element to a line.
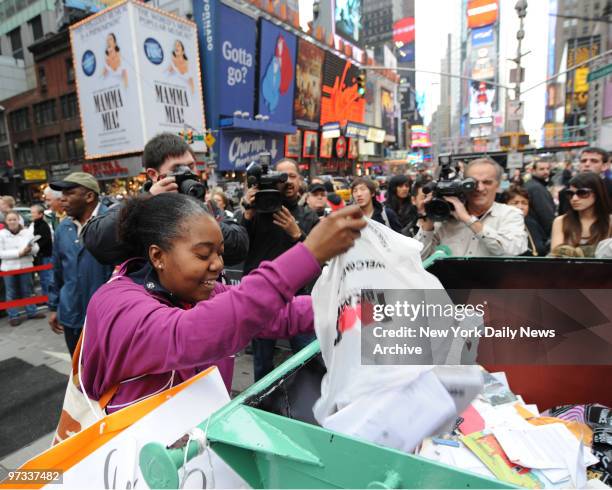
<point>137,72</point>
<point>354,130</point>
<point>376,135</point>
<point>237,150</point>
<point>120,168</point>
<point>34,174</point>
<point>60,170</point>
<point>276,72</point>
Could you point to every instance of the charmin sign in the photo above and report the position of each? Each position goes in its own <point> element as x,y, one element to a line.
<point>237,150</point>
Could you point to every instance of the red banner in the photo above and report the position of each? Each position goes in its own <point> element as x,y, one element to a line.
<point>404,30</point>
<point>481,13</point>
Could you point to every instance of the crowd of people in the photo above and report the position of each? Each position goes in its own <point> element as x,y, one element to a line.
<point>148,272</point>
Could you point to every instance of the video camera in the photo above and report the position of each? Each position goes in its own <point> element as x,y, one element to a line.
<point>448,184</point>
<point>188,182</point>
<point>268,198</point>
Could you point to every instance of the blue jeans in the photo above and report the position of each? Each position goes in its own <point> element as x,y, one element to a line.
<point>263,352</point>
<point>46,277</point>
<point>19,287</point>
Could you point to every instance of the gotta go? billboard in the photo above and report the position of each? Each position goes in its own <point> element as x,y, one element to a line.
<point>137,73</point>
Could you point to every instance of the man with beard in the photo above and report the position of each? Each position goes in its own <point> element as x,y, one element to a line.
<point>541,203</point>
<point>270,235</point>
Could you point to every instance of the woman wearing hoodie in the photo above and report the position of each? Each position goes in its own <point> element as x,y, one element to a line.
<point>17,252</point>
<point>163,317</point>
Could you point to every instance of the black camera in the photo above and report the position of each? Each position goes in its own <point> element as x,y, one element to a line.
<point>449,184</point>
<point>188,182</point>
<point>268,198</point>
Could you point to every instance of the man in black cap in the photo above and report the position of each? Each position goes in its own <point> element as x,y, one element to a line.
<point>76,273</point>
<point>317,199</point>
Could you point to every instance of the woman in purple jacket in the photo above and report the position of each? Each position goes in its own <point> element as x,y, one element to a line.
<point>164,318</point>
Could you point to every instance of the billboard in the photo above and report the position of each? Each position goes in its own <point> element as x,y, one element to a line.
<point>340,101</point>
<point>238,149</point>
<point>137,74</point>
<point>420,137</point>
<point>347,14</point>
<point>577,86</point>
<point>387,109</point>
<point>481,13</point>
<point>482,53</point>
<point>235,69</point>
<point>277,51</point>
<point>482,98</point>
<point>404,30</point>
<point>308,74</point>
<point>405,54</point>
<point>286,10</point>
<point>483,36</point>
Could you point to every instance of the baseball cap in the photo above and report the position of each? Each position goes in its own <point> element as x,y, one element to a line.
<point>316,187</point>
<point>76,179</point>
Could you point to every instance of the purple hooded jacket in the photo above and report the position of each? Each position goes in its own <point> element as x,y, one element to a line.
<point>142,341</point>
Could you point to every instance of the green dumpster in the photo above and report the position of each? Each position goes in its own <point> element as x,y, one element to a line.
<point>268,434</point>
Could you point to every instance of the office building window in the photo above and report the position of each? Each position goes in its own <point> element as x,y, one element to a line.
<point>74,145</point>
<point>37,28</point>
<point>42,78</point>
<point>69,70</point>
<point>25,153</point>
<point>16,46</point>
<point>70,108</point>
<point>20,119</point>
<point>49,149</point>
<point>44,113</point>
<point>3,129</point>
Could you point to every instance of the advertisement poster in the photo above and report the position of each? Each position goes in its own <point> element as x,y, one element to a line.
<point>483,36</point>
<point>482,97</point>
<point>420,137</point>
<point>293,144</point>
<point>404,31</point>
<point>308,73</point>
<point>348,19</point>
<point>170,73</point>
<point>236,62</point>
<point>353,151</point>
<point>286,10</point>
<point>238,150</point>
<point>105,70</point>
<point>576,86</point>
<point>277,51</point>
<point>137,73</point>
<point>327,147</point>
<point>483,56</point>
<point>387,108</point>
<point>340,101</point>
<point>311,144</point>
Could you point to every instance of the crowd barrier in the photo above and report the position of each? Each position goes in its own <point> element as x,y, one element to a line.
<point>33,300</point>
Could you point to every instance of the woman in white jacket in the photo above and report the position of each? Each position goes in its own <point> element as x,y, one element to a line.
<point>17,252</point>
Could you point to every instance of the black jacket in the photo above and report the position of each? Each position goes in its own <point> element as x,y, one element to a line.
<point>541,204</point>
<point>377,215</point>
<point>538,236</point>
<point>42,228</point>
<point>267,240</point>
<point>100,238</point>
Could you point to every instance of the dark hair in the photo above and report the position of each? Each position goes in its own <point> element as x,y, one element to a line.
<point>369,183</point>
<point>595,149</point>
<point>600,229</point>
<point>115,40</point>
<point>182,46</point>
<point>161,147</point>
<point>514,191</point>
<point>419,183</point>
<point>156,220</point>
<point>393,201</point>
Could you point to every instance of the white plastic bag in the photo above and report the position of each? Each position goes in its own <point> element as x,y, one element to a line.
<point>380,259</point>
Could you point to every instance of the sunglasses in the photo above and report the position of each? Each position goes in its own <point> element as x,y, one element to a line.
<point>581,193</point>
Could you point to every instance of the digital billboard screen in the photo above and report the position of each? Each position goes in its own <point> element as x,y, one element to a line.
<point>347,15</point>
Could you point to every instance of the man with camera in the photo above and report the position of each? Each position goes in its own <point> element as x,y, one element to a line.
<point>275,222</point>
<point>480,227</point>
<point>168,161</point>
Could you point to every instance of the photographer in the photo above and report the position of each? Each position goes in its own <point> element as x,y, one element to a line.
<point>165,156</point>
<point>270,235</point>
<point>481,227</point>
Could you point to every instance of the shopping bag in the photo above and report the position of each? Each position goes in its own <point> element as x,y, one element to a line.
<point>382,259</point>
<point>105,455</point>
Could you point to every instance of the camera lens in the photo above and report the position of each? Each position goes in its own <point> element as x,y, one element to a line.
<point>438,209</point>
<point>193,188</point>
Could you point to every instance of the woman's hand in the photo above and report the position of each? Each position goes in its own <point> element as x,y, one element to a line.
<point>336,233</point>
<point>25,251</point>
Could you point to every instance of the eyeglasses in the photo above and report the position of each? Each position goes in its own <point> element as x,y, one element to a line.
<point>581,193</point>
